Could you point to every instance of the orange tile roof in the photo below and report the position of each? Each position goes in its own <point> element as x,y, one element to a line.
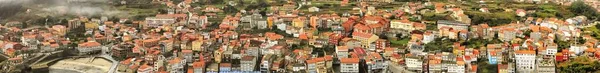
<point>175,61</point>
<point>525,52</point>
<point>349,60</point>
<point>315,60</point>
<point>342,48</point>
<point>225,65</point>
<point>190,70</point>
<point>484,26</point>
<point>361,27</point>
<point>328,57</point>
<point>590,50</point>
<point>419,25</point>
<point>376,55</point>
<point>143,67</point>
<point>476,52</point>
<point>434,62</point>
<point>198,64</point>
<point>303,36</point>
<point>362,35</point>
<point>89,44</point>
<point>133,66</point>
<point>474,68</point>
<point>460,63</point>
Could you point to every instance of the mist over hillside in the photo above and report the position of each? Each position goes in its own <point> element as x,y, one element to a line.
<point>18,10</point>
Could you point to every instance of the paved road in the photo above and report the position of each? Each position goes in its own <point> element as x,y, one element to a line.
<point>113,67</point>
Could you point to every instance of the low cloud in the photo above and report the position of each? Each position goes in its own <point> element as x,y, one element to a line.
<point>58,7</point>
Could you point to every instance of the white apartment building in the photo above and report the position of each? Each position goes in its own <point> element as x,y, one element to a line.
<point>89,47</point>
<point>414,63</point>
<point>247,63</point>
<point>156,22</point>
<point>405,25</point>
<point>525,61</point>
<point>349,65</point>
<point>342,51</point>
<point>459,67</point>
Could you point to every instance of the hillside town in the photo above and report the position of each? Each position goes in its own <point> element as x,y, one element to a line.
<point>313,36</point>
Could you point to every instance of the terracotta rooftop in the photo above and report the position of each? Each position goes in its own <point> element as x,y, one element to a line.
<point>175,61</point>
<point>525,52</point>
<point>89,44</point>
<point>349,60</point>
<point>198,64</point>
<point>342,48</point>
<point>361,27</point>
<point>362,35</point>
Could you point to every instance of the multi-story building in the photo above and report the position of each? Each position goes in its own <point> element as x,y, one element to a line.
<point>248,63</point>
<point>402,25</point>
<point>121,51</point>
<point>349,65</point>
<point>265,63</point>
<point>176,65</point>
<point>74,23</point>
<point>198,67</point>
<point>197,45</point>
<point>145,69</point>
<point>151,42</point>
<point>316,65</point>
<point>459,67</point>
<point>167,45</point>
<point>156,21</point>
<point>89,47</point>
<point>201,21</point>
<point>435,65</point>
<point>413,62</point>
<point>187,55</point>
<point>545,66</point>
<point>428,36</point>
<point>381,44</point>
<point>502,68</point>
<point>453,24</point>
<point>365,39</point>
<point>375,61</point>
<point>224,67</point>
<point>507,34</point>
<point>342,51</point>
<point>262,24</point>
<point>59,30</point>
<point>525,60</point>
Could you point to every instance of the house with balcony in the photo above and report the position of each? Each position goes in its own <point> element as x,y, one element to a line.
<point>349,65</point>
<point>89,47</point>
<point>525,60</point>
<point>248,63</point>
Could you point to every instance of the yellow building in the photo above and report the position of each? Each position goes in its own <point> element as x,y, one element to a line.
<point>60,30</point>
<point>270,21</point>
<point>217,55</point>
<point>197,45</point>
<point>298,22</point>
<point>91,26</point>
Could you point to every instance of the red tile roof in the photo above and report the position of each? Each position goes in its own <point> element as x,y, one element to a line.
<point>175,61</point>
<point>349,60</point>
<point>362,35</point>
<point>525,52</point>
<point>198,64</point>
<point>89,44</point>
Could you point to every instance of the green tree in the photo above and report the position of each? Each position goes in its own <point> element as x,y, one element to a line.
<point>580,8</point>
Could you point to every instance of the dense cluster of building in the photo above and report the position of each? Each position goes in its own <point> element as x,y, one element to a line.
<point>356,41</point>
